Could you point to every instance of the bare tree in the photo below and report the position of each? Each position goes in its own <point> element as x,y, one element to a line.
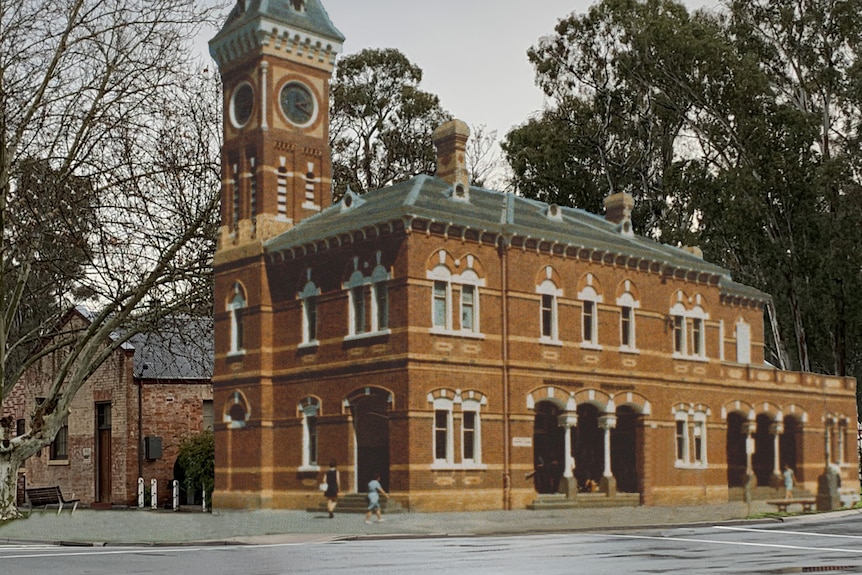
<point>109,135</point>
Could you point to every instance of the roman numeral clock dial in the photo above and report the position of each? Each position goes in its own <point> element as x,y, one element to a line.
<point>298,103</point>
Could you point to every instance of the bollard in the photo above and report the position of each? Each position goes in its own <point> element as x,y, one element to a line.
<point>176,495</point>
<point>204,504</point>
<point>154,486</point>
<point>140,492</point>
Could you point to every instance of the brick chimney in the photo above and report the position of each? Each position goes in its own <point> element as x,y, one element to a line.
<point>450,139</point>
<point>618,210</point>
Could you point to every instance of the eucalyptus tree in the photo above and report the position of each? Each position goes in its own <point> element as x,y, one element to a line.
<point>109,135</point>
<point>381,121</point>
<point>737,130</point>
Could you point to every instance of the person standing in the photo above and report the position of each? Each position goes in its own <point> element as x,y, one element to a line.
<point>331,489</point>
<point>375,490</point>
<point>788,482</point>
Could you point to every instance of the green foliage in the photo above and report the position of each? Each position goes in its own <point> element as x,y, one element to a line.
<point>380,121</point>
<point>738,131</point>
<point>197,457</point>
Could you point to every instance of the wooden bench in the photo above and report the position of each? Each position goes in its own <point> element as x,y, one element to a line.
<point>782,504</point>
<point>45,496</point>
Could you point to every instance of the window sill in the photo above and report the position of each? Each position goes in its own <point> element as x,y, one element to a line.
<point>309,469</point>
<point>453,333</point>
<point>683,465</point>
<point>367,335</point>
<point>58,462</point>
<point>630,350</point>
<point>235,354</point>
<point>549,341</point>
<point>591,346</point>
<point>697,358</point>
<point>308,344</point>
<point>310,206</point>
<point>444,466</point>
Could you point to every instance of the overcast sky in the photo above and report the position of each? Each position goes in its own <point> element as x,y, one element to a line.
<point>473,53</point>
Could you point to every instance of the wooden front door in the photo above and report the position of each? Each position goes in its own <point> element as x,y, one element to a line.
<point>103,453</point>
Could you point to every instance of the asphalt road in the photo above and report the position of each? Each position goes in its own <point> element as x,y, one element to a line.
<point>834,546</point>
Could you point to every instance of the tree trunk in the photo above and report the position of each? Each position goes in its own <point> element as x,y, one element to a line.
<point>9,464</point>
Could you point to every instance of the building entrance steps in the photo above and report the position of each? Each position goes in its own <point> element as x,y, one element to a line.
<point>358,503</point>
<point>584,501</point>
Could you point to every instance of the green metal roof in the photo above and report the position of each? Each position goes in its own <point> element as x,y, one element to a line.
<point>312,18</point>
<point>431,198</point>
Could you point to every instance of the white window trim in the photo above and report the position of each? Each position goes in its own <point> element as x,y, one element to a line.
<point>238,302</point>
<point>442,274</point>
<point>443,404</point>
<point>548,287</point>
<point>692,420</point>
<point>310,410</point>
<point>688,317</point>
<point>472,406</point>
<point>628,300</point>
<point>308,293</point>
<point>590,294</point>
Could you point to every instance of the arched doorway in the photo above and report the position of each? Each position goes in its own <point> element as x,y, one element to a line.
<point>763,460</point>
<point>589,446</point>
<point>370,410</point>
<point>791,446</point>
<point>549,453</point>
<point>624,450</point>
<point>736,458</point>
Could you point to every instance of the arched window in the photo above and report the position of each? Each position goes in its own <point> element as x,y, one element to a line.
<point>471,430</point>
<point>549,318</point>
<point>368,300</point>
<point>690,436</point>
<point>443,437</point>
<point>309,410</point>
<point>628,304</point>
<point>689,328</point>
<point>466,286</point>
<point>237,411</point>
<point>236,309</point>
<point>590,300</point>
<point>308,297</point>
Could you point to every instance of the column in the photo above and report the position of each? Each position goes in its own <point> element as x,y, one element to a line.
<point>608,483</point>
<point>777,429</point>
<point>264,66</point>
<point>568,422</point>
<point>748,429</point>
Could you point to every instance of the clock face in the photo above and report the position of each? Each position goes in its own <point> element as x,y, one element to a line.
<point>297,103</point>
<point>242,105</point>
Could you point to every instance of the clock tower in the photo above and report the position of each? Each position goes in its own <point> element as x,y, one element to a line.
<point>276,59</point>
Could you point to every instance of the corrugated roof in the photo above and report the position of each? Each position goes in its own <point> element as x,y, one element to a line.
<point>430,198</point>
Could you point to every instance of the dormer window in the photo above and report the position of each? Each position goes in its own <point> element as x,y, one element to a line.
<point>555,213</point>
<point>298,5</point>
<point>460,193</point>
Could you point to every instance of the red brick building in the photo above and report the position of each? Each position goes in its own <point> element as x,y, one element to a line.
<point>478,349</point>
<point>128,420</point>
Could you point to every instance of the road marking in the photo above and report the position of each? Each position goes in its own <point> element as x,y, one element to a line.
<point>783,532</point>
<point>147,550</point>
<point>737,543</point>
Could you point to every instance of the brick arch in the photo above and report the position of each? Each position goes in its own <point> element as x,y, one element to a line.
<point>238,288</point>
<point>365,391</point>
<point>768,408</point>
<point>741,407</point>
<point>637,402</point>
<point>237,410</point>
<point>589,279</point>
<point>440,257</point>
<point>442,393</point>
<point>560,397</point>
<point>548,272</point>
<point>595,397</point>
<point>308,401</point>
<point>796,411</point>
<point>469,261</point>
<point>472,395</point>
<point>628,286</point>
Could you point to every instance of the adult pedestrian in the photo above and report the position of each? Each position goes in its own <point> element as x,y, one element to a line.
<point>331,492</point>
<point>788,482</point>
<point>375,490</point>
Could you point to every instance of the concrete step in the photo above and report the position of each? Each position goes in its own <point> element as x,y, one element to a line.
<point>584,501</point>
<point>358,503</point>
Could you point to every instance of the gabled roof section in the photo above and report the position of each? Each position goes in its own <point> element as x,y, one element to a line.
<point>182,349</point>
<point>430,198</point>
<point>306,15</point>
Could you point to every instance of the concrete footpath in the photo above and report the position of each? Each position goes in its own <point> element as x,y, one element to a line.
<point>144,527</point>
